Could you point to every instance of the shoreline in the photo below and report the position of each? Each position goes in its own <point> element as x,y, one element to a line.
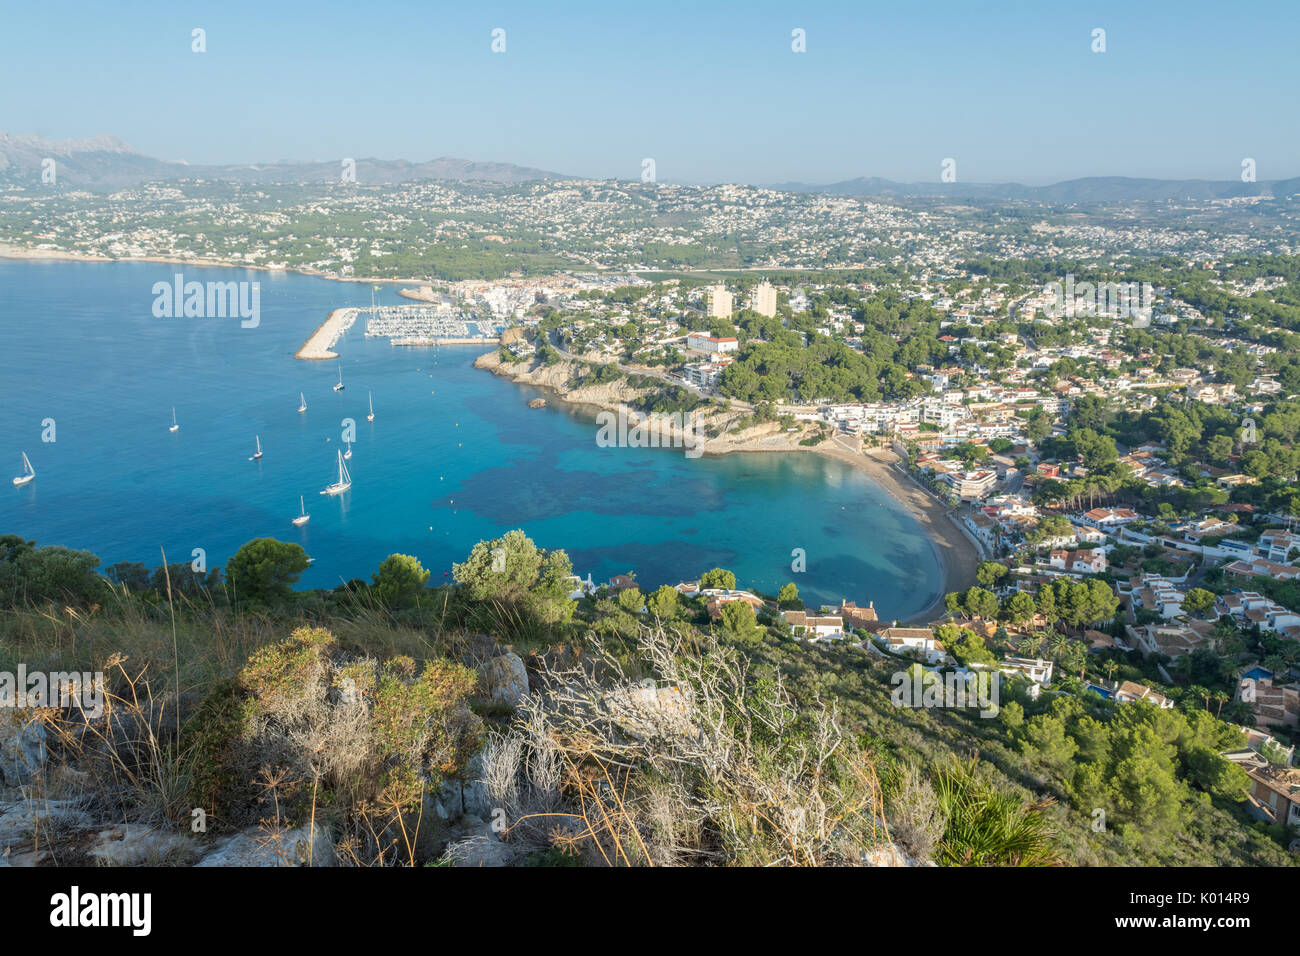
<point>955,553</point>
<point>25,254</point>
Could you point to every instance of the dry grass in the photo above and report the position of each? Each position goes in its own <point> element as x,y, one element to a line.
<point>697,766</point>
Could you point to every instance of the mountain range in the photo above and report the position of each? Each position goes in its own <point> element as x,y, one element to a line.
<point>1092,189</point>
<point>105,163</point>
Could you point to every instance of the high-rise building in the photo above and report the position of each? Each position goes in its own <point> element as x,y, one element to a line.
<point>763,299</point>
<point>720,302</point>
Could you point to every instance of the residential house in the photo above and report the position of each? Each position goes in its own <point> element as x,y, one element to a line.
<point>917,639</point>
<point>814,627</point>
<point>853,615</point>
<point>1038,671</point>
<point>1106,518</point>
<point>1128,692</point>
<point>1273,702</point>
<point>1262,568</point>
<point>1275,794</point>
<point>1173,640</point>
<point>1088,562</point>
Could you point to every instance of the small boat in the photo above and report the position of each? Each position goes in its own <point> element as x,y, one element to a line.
<point>303,518</point>
<point>28,473</point>
<point>175,427</point>
<point>344,482</point>
<point>371,416</point>
<point>302,403</point>
<point>339,386</point>
<point>347,455</point>
<point>257,454</point>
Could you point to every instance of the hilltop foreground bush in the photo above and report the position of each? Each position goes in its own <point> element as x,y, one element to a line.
<point>701,765</point>
<point>330,739</point>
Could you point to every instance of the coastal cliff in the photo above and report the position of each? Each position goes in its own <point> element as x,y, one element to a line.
<point>718,430</point>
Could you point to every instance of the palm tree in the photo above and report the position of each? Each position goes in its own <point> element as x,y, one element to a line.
<point>1221,697</point>
<point>986,826</point>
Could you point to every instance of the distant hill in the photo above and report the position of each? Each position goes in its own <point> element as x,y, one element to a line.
<point>106,163</point>
<point>1092,189</point>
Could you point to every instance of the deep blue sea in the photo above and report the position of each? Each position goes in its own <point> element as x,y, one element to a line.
<point>454,454</point>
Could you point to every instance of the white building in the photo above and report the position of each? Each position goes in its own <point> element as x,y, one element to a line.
<point>763,299</point>
<point>710,344</point>
<point>720,302</point>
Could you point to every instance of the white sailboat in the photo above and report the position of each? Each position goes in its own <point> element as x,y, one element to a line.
<point>371,416</point>
<point>347,455</point>
<point>344,482</point>
<point>302,518</point>
<point>258,453</point>
<point>339,386</point>
<point>302,403</point>
<point>28,473</point>
<point>175,427</point>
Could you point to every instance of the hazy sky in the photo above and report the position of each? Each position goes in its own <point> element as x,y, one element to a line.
<point>711,91</point>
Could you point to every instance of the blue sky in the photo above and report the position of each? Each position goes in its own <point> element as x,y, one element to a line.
<point>711,91</point>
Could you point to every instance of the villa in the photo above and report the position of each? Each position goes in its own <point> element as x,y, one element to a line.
<point>813,627</point>
<point>1110,517</point>
<point>1128,692</point>
<point>914,639</point>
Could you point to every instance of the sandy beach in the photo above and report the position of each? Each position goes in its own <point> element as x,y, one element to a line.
<point>956,554</point>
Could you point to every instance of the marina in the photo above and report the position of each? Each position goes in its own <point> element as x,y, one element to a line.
<point>430,325</point>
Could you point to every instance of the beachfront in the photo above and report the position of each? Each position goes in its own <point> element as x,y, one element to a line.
<point>956,554</point>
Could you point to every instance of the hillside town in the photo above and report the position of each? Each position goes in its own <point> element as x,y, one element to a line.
<point>1127,478</point>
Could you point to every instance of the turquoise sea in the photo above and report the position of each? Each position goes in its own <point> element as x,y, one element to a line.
<point>454,454</point>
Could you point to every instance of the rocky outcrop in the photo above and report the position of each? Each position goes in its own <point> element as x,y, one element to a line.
<point>716,429</point>
<point>133,844</point>
<point>462,797</point>
<point>504,679</point>
<point>305,846</point>
<point>22,745</point>
<point>20,820</point>
<point>478,844</point>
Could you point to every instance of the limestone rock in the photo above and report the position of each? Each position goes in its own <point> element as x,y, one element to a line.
<point>133,844</point>
<point>891,855</point>
<point>474,795</point>
<point>478,845</point>
<point>301,847</point>
<point>22,745</point>
<point>504,679</point>
<point>448,803</point>
<point>18,821</point>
